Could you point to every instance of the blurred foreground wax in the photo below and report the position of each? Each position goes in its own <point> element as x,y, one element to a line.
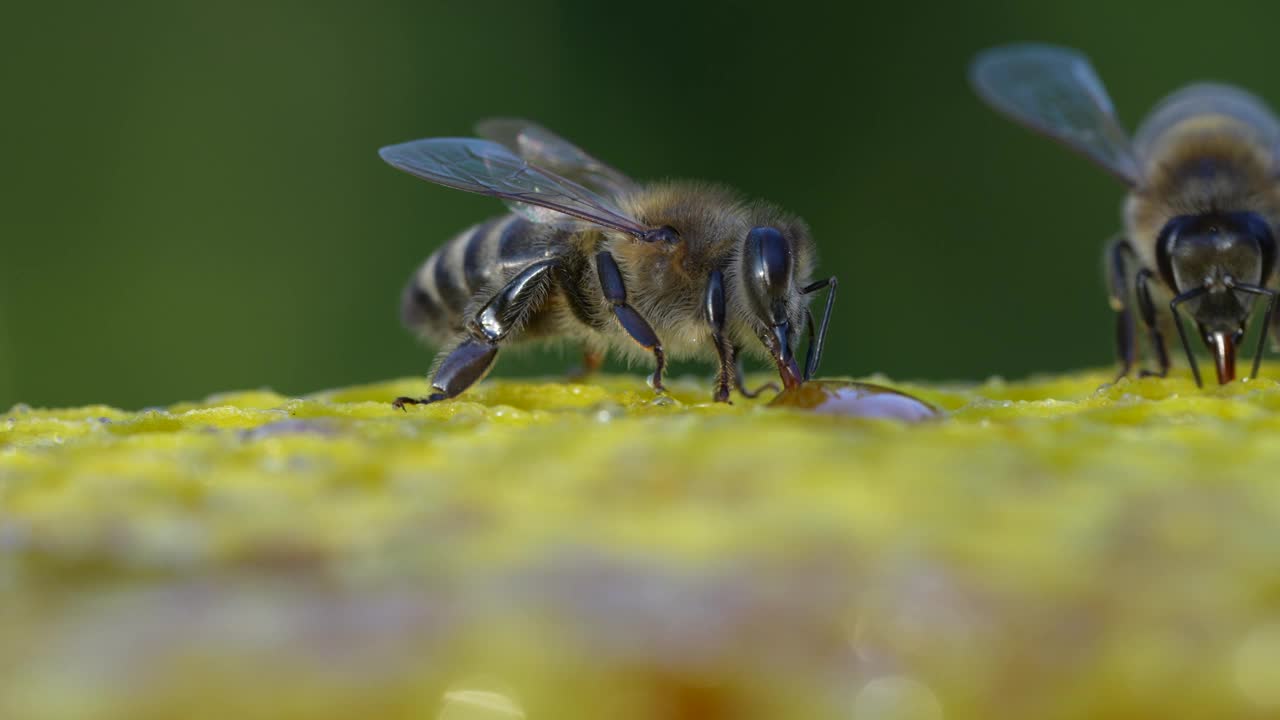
<point>540,550</point>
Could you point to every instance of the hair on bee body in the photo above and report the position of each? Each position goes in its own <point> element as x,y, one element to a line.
<point>1199,220</point>
<point>653,271</point>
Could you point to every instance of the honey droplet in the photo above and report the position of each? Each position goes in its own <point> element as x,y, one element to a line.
<point>855,399</point>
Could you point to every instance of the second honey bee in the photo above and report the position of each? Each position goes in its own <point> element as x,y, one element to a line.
<point>654,271</point>
<point>1203,172</point>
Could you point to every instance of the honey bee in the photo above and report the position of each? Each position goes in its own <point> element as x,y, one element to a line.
<point>653,271</point>
<point>1203,171</point>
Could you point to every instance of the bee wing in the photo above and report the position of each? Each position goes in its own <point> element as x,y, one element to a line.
<point>546,149</point>
<point>1208,99</point>
<point>487,168</point>
<point>1056,92</point>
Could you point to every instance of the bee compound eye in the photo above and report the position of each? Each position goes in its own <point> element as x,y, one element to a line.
<point>768,262</point>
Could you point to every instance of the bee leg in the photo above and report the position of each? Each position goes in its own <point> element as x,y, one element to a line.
<point>463,367</point>
<point>636,326</point>
<point>1182,330</point>
<point>1118,290</point>
<point>713,304</point>
<point>738,375</point>
<point>1268,321</point>
<point>1148,310</point>
<point>508,309</point>
<point>730,369</point>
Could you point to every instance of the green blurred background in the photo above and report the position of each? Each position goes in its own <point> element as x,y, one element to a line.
<point>192,201</point>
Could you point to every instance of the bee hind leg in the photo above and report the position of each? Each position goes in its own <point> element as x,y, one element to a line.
<point>615,292</point>
<point>463,367</point>
<point>491,325</point>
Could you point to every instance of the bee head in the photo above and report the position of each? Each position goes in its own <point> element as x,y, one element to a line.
<point>1214,262</point>
<point>768,274</point>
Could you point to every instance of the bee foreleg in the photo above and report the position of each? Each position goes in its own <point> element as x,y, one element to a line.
<point>1191,294</point>
<point>1268,319</point>
<point>1118,289</point>
<point>714,306</point>
<point>1148,310</point>
<point>508,309</point>
<point>738,378</point>
<point>615,292</point>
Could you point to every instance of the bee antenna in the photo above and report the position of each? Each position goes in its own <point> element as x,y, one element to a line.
<point>814,355</point>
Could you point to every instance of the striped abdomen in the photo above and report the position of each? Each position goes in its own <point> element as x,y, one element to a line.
<point>479,259</point>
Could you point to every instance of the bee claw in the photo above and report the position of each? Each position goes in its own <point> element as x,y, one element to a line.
<point>751,394</point>
<point>400,402</point>
<point>655,382</point>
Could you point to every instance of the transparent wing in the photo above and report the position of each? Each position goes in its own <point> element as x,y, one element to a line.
<point>1056,92</point>
<point>544,148</point>
<point>1206,100</point>
<point>487,168</point>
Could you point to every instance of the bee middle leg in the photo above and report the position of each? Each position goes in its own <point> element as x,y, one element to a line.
<point>615,292</point>
<point>491,325</point>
